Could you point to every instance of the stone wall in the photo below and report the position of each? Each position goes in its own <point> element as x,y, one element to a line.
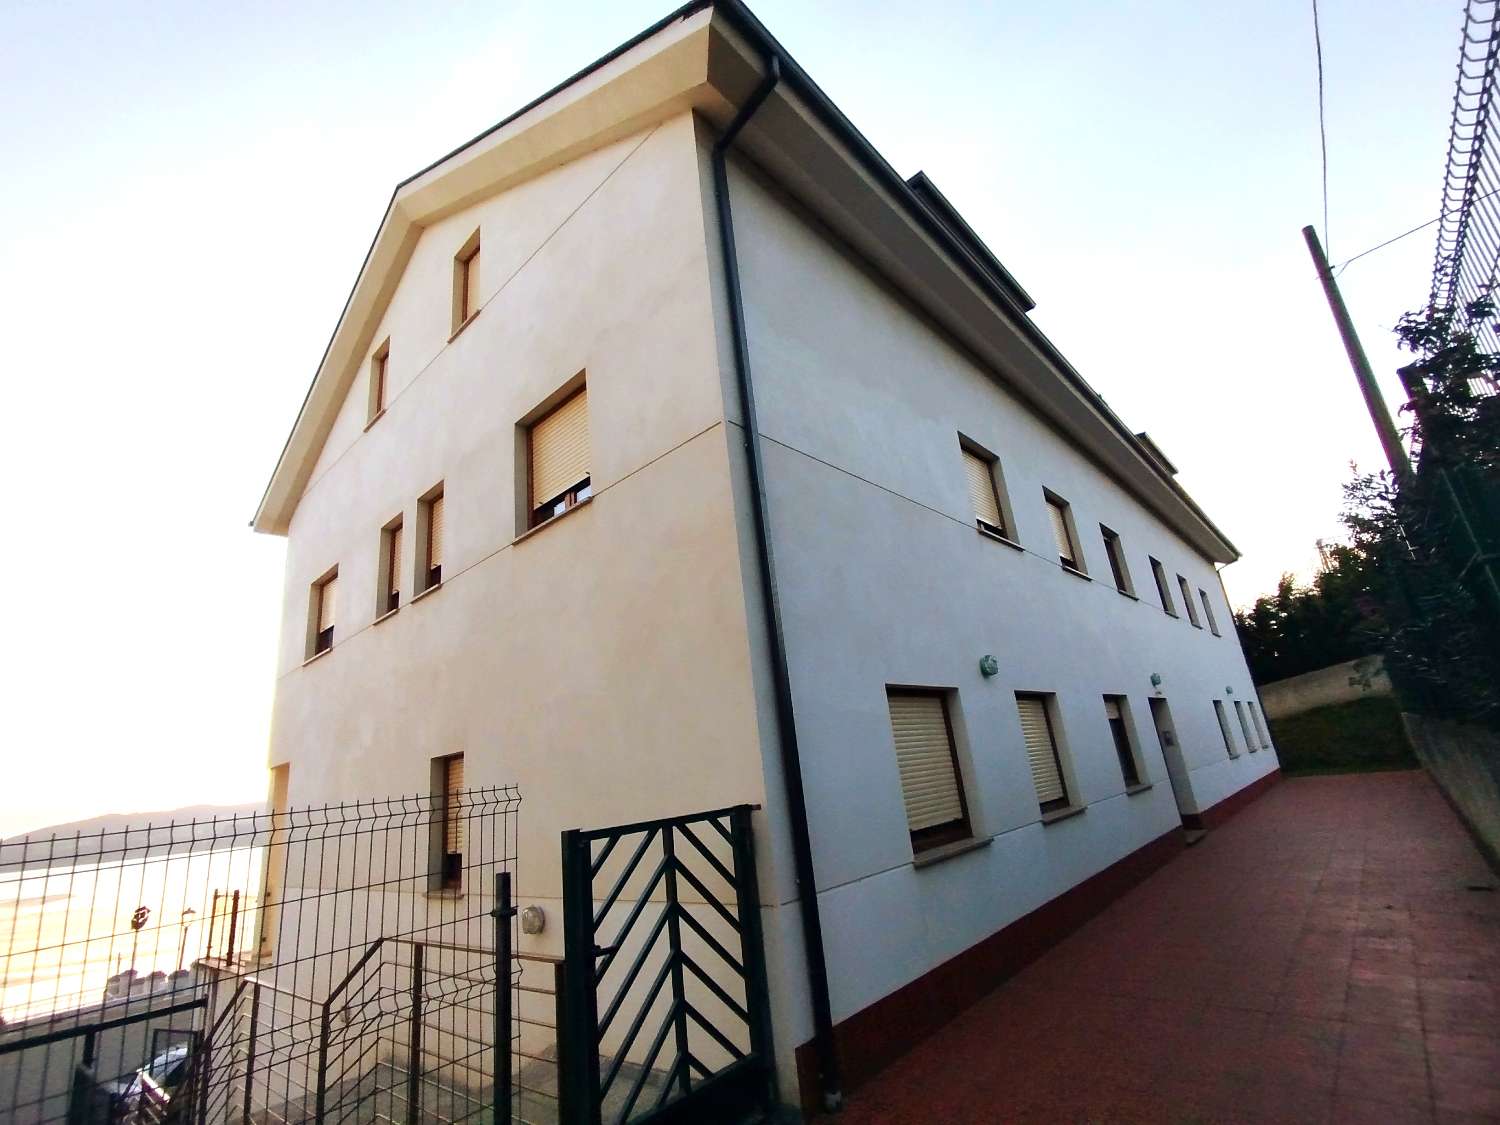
<point>1338,683</point>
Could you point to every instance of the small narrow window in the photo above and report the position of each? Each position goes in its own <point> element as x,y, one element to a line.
<point>324,603</point>
<point>1208,613</point>
<point>390,567</point>
<point>432,531</point>
<point>1119,729</point>
<point>447,840</point>
<point>1117,565</point>
<point>560,455</point>
<point>1223,718</point>
<point>1163,591</point>
<point>931,786</point>
<point>1041,752</point>
<point>1187,600</point>
<point>379,364</point>
<point>466,282</point>
<point>1059,511</point>
<point>981,473</point>
<point>1239,710</point>
<point>1260,727</point>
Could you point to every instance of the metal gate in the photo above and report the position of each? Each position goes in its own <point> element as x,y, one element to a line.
<point>663,943</point>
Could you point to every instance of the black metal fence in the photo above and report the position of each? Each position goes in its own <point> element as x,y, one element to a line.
<point>294,965</point>
<point>666,1016</point>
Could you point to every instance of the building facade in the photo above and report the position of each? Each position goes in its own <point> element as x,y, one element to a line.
<point>521,526</point>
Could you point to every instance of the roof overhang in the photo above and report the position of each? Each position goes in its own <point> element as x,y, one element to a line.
<point>709,57</point>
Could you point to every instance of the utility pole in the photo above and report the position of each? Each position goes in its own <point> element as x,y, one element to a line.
<point>1395,452</point>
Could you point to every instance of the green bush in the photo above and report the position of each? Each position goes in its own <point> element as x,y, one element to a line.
<point>1345,737</point>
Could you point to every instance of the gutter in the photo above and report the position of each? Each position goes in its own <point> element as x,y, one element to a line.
<point>829,1085</point>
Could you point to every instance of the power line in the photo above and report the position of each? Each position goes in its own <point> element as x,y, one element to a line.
<point>1322,125</point>
<point>1381,246</point>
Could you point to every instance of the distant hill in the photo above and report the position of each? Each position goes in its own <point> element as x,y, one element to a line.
<point>115,822</point>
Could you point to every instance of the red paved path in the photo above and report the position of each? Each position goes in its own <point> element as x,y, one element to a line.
<point>1318,958</point>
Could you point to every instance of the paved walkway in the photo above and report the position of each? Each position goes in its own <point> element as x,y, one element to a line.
<point>1319,958</point>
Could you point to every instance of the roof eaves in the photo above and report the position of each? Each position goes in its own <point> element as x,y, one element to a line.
<point>837,123</point>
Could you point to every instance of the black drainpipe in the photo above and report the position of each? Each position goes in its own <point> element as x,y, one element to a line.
<point>791,759</point>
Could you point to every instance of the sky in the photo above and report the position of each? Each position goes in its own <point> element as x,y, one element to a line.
<point>190,189</point>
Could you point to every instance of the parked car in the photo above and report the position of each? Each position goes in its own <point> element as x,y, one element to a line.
<point>146,1096</point>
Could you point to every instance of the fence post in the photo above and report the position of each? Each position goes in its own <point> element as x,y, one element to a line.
<point>580,1031</point>
<point>565,1099</point>
<point>752,946</point>
<point>503,912</point>
<point>250,1047</point>
<point>414,1058</point>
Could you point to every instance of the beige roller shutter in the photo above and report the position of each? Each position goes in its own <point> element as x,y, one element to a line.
<point>982,489</point>
<point>1111,709</point>
<point>924,755</point>
<point>453,786</point>
<point>435,532</point>
<point>395,560</point>
<point>1060,532</point>
<point>1040,755</point>
<point>560,449</point>
<point>471,284</point>
<point>326,595</point>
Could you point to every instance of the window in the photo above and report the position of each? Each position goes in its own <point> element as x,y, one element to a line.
<point>1062,532</point>
<point>466,282</point>
<point>1239,710</point>
<point>379,362</point>
<point>1117,715</point>
<point>986,489</point>
<point>559,470</point>
<point>1208,612</point>
<point>1041,752</point>
<point>1187,600</point>
<point>1260,727</point>
<point>432,532</point>
<point>324,602</point>
<point>936,812</point>
<point>389,598</point>
<point>1162,591</point>
<point>1117,565</point>
<point>1224,729</point>
<point>447,831</point>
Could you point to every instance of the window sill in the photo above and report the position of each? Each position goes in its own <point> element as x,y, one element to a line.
<point>530,531</point>
<point>434,588</point>
<point>377,416</point>
<point>451,893</point>
<point>998,538</point>
<point>1126,594</point>
<point>1063,814</point>
<point>1234,754</point>
<point>1074,571</point>
<point>930,856</point>
<point>1140,787</point>
<point>473,316</point>
<point>387,614</point>
<point>317,656</point>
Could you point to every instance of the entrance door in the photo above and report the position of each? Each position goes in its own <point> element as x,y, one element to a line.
<point>1171,752</point>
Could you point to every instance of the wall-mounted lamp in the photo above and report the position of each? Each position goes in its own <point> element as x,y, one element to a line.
<point>988,666</point>
<point>1229,691</point>
<point>1156,679</point>
<point>533,920</point>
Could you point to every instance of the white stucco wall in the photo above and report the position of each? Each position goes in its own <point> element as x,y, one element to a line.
<point>601,664</point>
<point>885,580</point>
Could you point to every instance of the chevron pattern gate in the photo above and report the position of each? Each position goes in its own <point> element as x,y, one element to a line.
<point>667,1017</point>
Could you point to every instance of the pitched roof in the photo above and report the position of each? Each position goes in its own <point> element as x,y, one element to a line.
<point>708,56</point>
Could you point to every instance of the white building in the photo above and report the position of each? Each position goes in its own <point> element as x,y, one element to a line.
<point>522,527</point>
